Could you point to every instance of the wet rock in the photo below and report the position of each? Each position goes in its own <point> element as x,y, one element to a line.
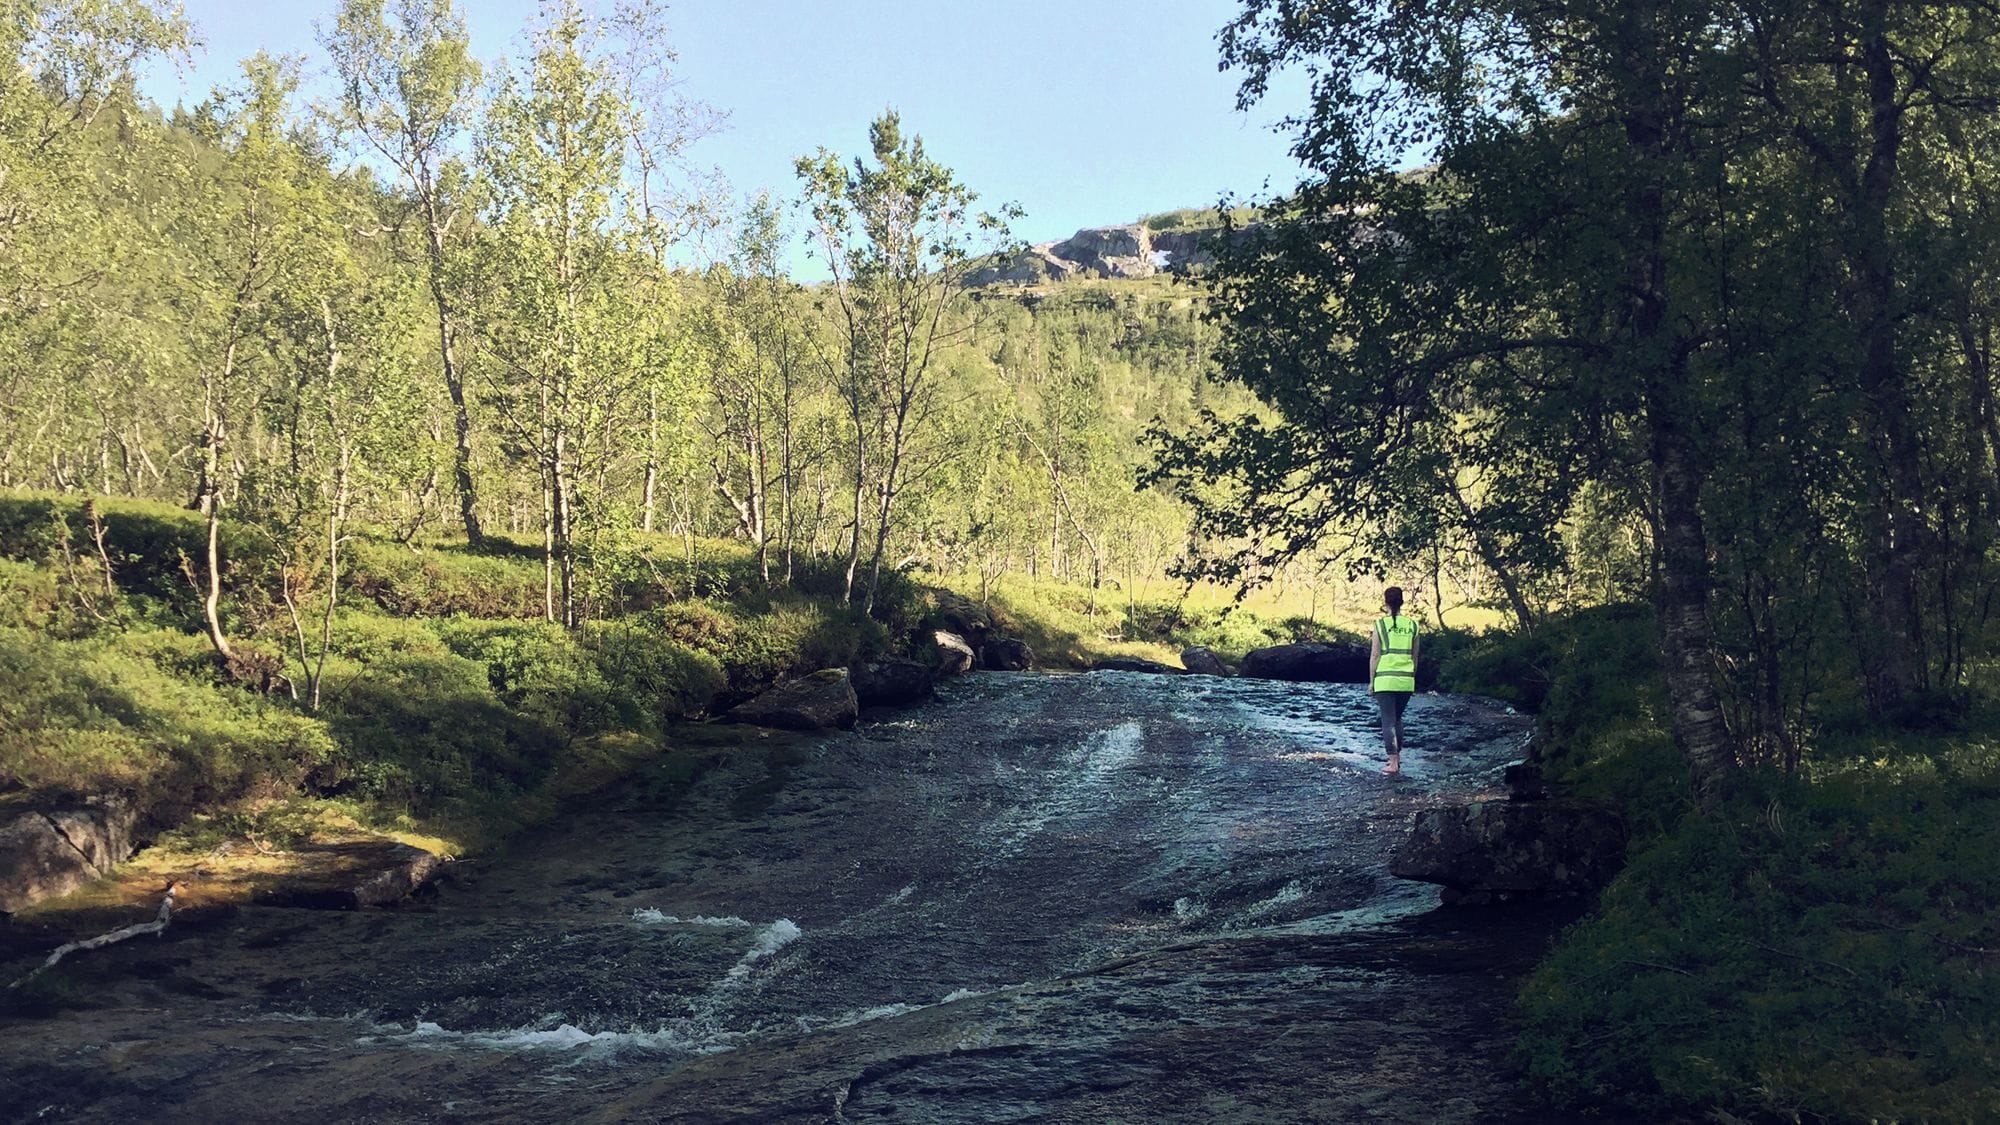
<point>1133,664</point>
<point>892,682</point>
<point>1563,845</point>
<point>816,702</point>
<point>351,874</point>
<point>1525,782</point>
<point>1314,663</point>
<point>46,854</point>
<point>1200,661</point>
<point>952,655</point>
<point>1007,654</point>
<point>404,870</point>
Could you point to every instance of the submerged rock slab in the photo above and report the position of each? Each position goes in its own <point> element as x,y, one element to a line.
<point>1563,845</point>
<point>817,702</point>
<point>347,874</point>
<point>1134,664</point>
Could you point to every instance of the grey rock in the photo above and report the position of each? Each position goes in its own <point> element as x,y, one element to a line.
<point>892,682</point>
<point>1314,663</point>
<point>1007,654</point>
<point>953,656</point>
<point>1525,782</point>
<point>403,870</point>
<point>816,702</point>
<point>969,620</point>
<point>1563,845</point>
<point>1200,661</point>
<point>46,854</point>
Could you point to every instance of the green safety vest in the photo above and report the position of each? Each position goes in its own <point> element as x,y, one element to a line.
<point>1396,669</point>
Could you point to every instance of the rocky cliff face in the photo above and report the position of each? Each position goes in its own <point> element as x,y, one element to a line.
<point>1130,250</point>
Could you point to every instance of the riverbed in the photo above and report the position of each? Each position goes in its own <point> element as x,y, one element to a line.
<point>1099,897</point>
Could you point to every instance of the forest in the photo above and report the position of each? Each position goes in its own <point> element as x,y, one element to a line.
<point>414,457</point>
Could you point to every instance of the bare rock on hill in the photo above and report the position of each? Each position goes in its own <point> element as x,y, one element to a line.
<point>816,702</point>
<point>1313,663</point>
<point>48,853</point>
<point>952,656</point>
<point>1501,848</point>
<point>1007,654</point>
<point>1202,662</point>
<point>892,682</point>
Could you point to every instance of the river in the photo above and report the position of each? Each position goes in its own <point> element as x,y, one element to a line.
<point>1102,897</point>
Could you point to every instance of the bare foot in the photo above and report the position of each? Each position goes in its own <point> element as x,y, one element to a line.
<point>1394,768</point>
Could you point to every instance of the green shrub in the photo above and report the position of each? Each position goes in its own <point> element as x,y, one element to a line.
<point>1812,950</point>
<point>443,581</point>
<point>665,679</point>
<point>84,717</point>
<point>29,594</point>
<point>146,542</point>
<point>425,729</point>
<point>541,673</point>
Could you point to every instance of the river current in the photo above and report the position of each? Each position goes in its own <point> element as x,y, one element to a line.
<point>1102,897</point>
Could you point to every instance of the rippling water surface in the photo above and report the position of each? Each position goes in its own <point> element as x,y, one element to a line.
<point>1099,897</point>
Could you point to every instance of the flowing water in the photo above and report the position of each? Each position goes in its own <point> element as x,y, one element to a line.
<point>1105,897</point>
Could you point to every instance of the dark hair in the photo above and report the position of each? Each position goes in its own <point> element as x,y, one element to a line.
<point>1393,598</point>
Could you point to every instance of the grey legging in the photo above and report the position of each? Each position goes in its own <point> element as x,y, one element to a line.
<point>1392,704</point>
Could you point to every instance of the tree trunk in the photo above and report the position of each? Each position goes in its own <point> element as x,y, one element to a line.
<point>454,378</point>
<point>649,489</point>
<point>1897,532</point>
<point>1697,720</point>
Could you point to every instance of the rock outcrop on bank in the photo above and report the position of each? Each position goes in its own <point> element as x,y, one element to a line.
<point>892,682</point>
<point>820,701</point>
<point>1200,661</point>
<point>49,852</point>
<point>1309,663</point>
<point>1502,848</point>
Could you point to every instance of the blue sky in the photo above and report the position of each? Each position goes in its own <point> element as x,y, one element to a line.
<point>1084,112</point>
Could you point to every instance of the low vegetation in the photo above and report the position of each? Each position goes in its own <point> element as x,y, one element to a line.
<point>1818,946</point>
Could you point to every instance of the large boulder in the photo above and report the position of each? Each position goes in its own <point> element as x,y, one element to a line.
<point>44,854</point>
<point>951,654</point>
<point>967,619</point>
<point>816,702</point>
<point>1202,662</point>
<point>1007,654</point>
<point>892,682</point>
<point>1502,848</point>
<point>1316,663</point>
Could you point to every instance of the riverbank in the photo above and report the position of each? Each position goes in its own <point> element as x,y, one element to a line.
<point>1817,945</point>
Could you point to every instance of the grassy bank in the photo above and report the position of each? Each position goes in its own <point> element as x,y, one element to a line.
<point>450,710</point>
<point>1814,947</point>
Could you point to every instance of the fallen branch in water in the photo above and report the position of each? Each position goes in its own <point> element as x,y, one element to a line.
<point>158,924</point>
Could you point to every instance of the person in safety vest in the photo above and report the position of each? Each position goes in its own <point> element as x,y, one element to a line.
<point>1392,673</point>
